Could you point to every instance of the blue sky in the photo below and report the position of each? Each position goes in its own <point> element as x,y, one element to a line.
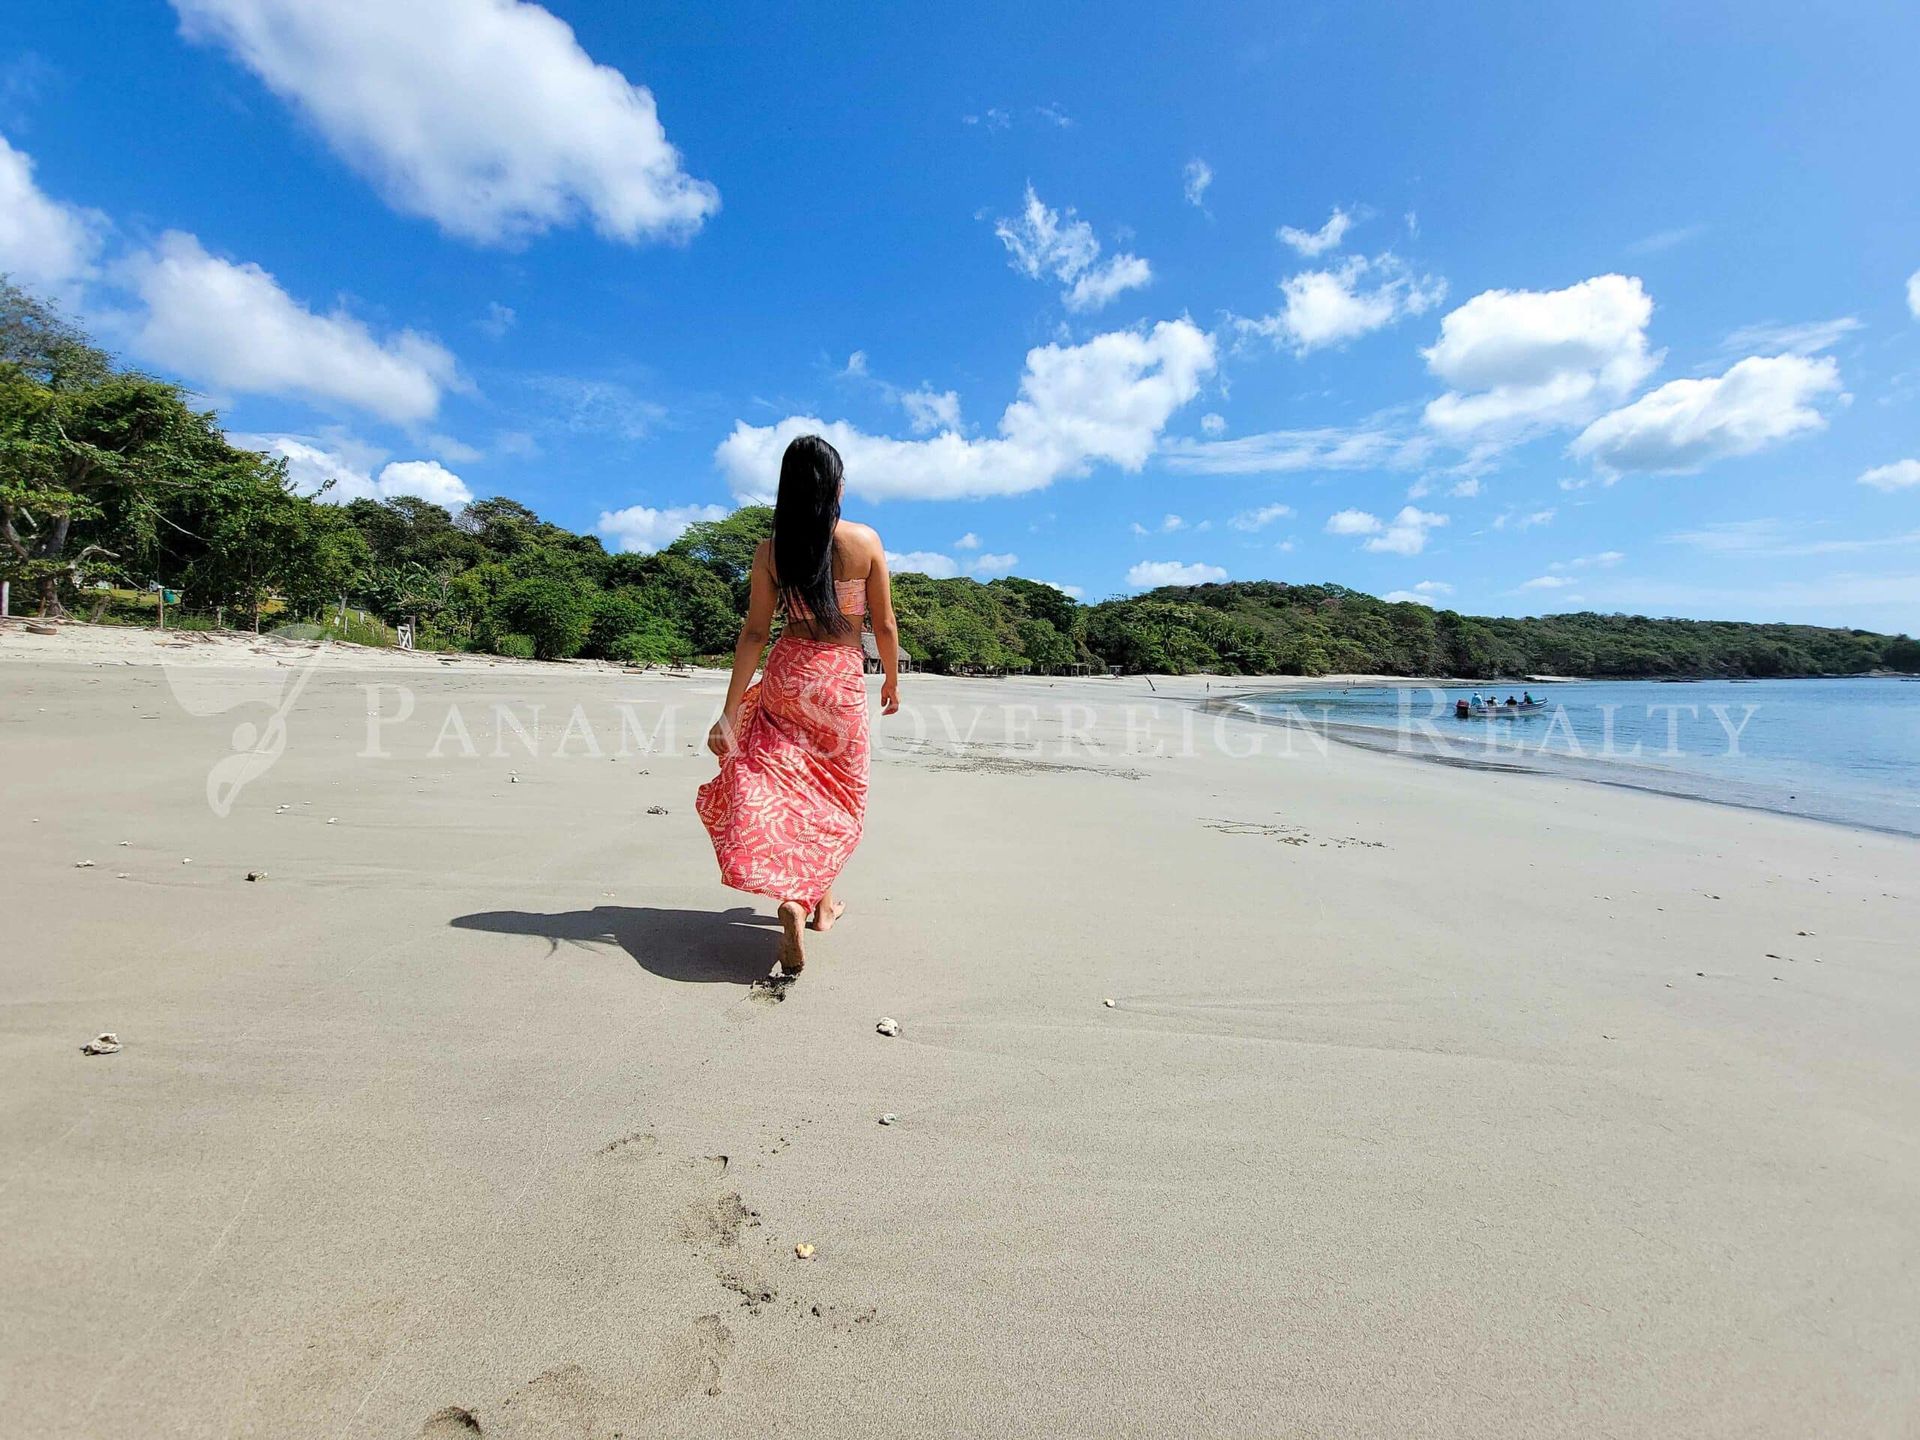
<point>1508,307</point>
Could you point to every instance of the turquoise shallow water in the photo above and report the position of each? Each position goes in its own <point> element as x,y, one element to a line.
<point>1840,750</point>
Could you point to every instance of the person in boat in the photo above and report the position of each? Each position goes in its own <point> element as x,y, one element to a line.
<point>1512,701</point>
<point>1476,702</point>
<point>1526,697</point>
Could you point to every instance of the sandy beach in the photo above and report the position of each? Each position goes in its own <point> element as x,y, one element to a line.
<point>1429,1102</point>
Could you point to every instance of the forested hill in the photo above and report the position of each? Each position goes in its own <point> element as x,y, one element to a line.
<point>1266,627</point>
<point>109,478</point>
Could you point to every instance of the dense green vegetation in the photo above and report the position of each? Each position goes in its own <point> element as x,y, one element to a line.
<point>109,476</point>
<point>1265,627</point>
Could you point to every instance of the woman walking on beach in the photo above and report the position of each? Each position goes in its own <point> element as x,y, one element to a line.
<point>786,809</point>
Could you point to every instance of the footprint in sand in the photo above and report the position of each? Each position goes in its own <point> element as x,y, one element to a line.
<point>634,1146</point>
<point>717,1223</point>
<point>695,1365</point>
<point>562,1401</point>
<point>770,989</point>
<point>456,1422</point>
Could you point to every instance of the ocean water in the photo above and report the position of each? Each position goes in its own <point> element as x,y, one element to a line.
<point>1839,750</point>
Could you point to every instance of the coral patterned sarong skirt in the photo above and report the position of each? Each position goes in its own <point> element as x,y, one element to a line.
<point>786,809</point>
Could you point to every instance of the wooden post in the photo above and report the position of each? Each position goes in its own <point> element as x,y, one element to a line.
<point>161,596</point>
<point>6,597</point>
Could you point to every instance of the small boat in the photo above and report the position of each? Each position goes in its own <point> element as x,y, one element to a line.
<point>1466,710</point>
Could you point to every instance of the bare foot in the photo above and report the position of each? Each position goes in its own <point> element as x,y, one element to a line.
<point>793,957</point>
<point>824,914</point>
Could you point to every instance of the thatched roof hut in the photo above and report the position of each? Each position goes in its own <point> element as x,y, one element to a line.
<point>870,647</point>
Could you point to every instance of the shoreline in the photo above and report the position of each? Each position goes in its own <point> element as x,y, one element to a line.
<point>1616,771</point>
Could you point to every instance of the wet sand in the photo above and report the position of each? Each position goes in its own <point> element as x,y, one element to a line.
<point>1430,1102</point>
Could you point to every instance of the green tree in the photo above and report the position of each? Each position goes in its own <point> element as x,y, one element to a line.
<point>726,546</point>
<point>552,613</point>
<point>90,459</point>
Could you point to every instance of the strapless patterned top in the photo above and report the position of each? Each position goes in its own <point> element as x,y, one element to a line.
<point>852,595</point>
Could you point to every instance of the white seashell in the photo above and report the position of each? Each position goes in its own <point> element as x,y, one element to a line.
<point>888,1025</point>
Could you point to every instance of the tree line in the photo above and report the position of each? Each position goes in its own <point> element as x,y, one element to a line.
<point>110,475</point>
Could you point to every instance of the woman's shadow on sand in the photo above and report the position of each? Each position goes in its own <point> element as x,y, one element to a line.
<point>697,947</point>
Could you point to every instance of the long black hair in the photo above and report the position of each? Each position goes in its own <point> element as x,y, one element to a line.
<point>804,514</point>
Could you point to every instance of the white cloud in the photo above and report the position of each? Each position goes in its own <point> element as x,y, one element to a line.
<point>1328,307</point>
<point>1071,591</point>
<point>1167,526</point>
<point>310,467</point>
<point>929,410</point>
<point>232,326</point>
<point>1261,518</point>
<point>1194,182</point>
<point>426,479</point>
<point>1686,424</point>
<point>346,472</point>
<point>1103,283</point>
<point>1042,242</point>
<point>923,562</point>
<point>589,406</point>
<point>1104,401</point>
<point>1519,360</point>
<point>1900,475</point>
<point>454,451</point>
<point>1317,242</point>
<point>1728,536</point>
<point>43,243</point>
<point>498,320</point>
<point>968,541</point>
<point>1665,239</point>
<point>1913,294</point>
<point>1809,338</point>
<point>1406,597</point>
<point>1352,522</point>
<point>1465,489</point>
<point>1405,534</point>
<point>1606,559</point>
<point>1213,424</point>
<point>991,564</point>
<point>1276,452</point>
<point>1548,582</point>
<point>485,116</point>
<point>645,529</point>
<point>1522,520</point>
<point>1149,573</point>
<point>1774,538</point>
